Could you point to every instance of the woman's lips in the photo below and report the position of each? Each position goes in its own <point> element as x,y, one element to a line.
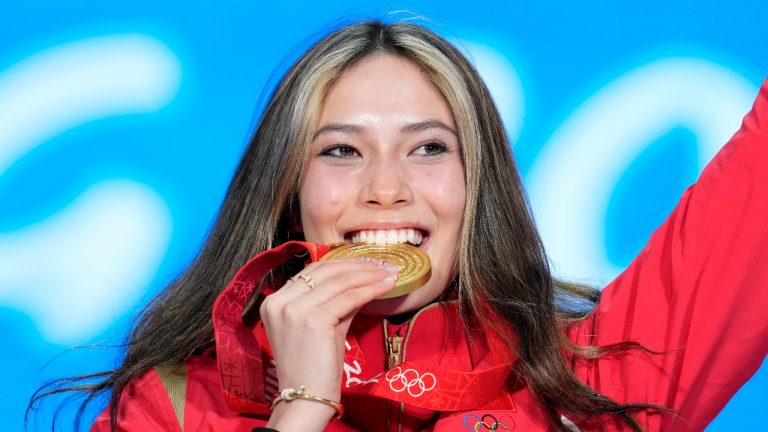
<point>414,236</point>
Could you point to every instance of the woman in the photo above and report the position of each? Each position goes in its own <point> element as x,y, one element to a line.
<point>387,131</point>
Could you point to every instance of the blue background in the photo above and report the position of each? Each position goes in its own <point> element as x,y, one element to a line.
<point>121,124</point>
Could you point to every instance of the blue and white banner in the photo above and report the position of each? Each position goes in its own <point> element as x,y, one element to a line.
<point>121,124</point>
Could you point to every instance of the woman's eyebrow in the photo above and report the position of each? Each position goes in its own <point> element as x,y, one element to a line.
<point>339,127</point>
<point>427,124</point>
<point>409,128</point>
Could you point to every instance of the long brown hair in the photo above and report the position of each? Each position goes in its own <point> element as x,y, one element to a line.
<point>501,260</point>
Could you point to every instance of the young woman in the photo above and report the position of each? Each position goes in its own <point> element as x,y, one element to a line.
<point>385,132</point>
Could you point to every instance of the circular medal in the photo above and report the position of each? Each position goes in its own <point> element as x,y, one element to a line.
<point>415,267</point>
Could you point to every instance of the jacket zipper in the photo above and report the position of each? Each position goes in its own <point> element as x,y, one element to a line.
<point>394,350</point>
<point>394,335</point>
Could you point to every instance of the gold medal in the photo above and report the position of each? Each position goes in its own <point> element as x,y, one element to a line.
<point>415,267</point>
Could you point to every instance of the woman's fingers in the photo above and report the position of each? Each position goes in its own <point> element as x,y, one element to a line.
<point>354,281</point>
<point>346,303</point>
<point>320,281</point>
<point>322,308</point>
<point>334,284</point>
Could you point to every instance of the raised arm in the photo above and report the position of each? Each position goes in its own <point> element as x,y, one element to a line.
<point>698,292</point>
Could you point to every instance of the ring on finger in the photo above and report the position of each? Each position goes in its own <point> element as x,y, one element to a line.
<point>307,279</point>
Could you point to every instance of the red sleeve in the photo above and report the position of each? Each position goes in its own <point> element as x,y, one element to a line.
<point>144,406</point>
<point>698,291</point>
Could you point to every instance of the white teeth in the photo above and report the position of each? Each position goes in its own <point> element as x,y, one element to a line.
<point>388,237</point>
<point>391,237</point>
<point>381,237</point>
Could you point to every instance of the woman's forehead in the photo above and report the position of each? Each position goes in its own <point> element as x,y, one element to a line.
<point>384,87</point>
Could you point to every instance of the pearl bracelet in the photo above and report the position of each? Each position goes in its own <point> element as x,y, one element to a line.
<point>290,394</point>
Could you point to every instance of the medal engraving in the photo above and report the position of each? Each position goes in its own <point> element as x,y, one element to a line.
<point>415,267</point>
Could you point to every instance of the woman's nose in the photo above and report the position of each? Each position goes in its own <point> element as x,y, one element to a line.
<point>386,185</point>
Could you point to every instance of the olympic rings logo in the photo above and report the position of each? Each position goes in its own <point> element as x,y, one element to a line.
<point>488,422</point>
<point>410,380</point>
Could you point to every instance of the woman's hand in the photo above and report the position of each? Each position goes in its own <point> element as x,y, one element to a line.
<point>307,322</point>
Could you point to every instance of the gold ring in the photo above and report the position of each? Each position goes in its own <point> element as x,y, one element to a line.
<point>308,280</point>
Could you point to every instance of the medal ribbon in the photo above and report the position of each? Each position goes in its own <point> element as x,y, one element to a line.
<point>247,372</point>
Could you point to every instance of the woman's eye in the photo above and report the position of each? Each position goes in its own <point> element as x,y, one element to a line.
<point>340,151</point>
<point>430,149</point>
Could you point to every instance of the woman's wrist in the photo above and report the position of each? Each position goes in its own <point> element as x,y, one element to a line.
<point>290,394</point>
<point>300,414</point>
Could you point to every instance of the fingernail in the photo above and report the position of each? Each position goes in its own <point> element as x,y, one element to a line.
<point>392,268</point>
<point>390,278</point>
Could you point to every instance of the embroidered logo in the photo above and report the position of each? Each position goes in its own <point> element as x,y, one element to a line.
<point>488,422</point>
<point>411,381</point>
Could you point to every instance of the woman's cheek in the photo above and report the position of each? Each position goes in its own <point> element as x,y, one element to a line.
<point>332,188</point>
<point>323,199</point>
<point>446,186</point>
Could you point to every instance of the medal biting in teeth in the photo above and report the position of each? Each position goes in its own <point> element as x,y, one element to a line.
<point>415,267</point>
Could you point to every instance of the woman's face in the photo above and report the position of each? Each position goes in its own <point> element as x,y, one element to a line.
<point>385,165</point>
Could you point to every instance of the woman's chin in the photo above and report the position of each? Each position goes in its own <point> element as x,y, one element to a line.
<point>387,307</point>
<point>412,301</point>
<point>395,306</point>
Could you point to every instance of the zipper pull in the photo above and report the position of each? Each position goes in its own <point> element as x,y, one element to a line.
<point>394,345</point>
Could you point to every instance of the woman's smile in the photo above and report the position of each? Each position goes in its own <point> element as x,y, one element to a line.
<point>385,167</point>
<point>413,236</point>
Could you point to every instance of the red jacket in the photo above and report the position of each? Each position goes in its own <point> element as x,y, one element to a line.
<point>697,292</point>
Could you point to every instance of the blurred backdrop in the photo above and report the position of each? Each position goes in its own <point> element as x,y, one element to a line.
<point>122,122</point>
